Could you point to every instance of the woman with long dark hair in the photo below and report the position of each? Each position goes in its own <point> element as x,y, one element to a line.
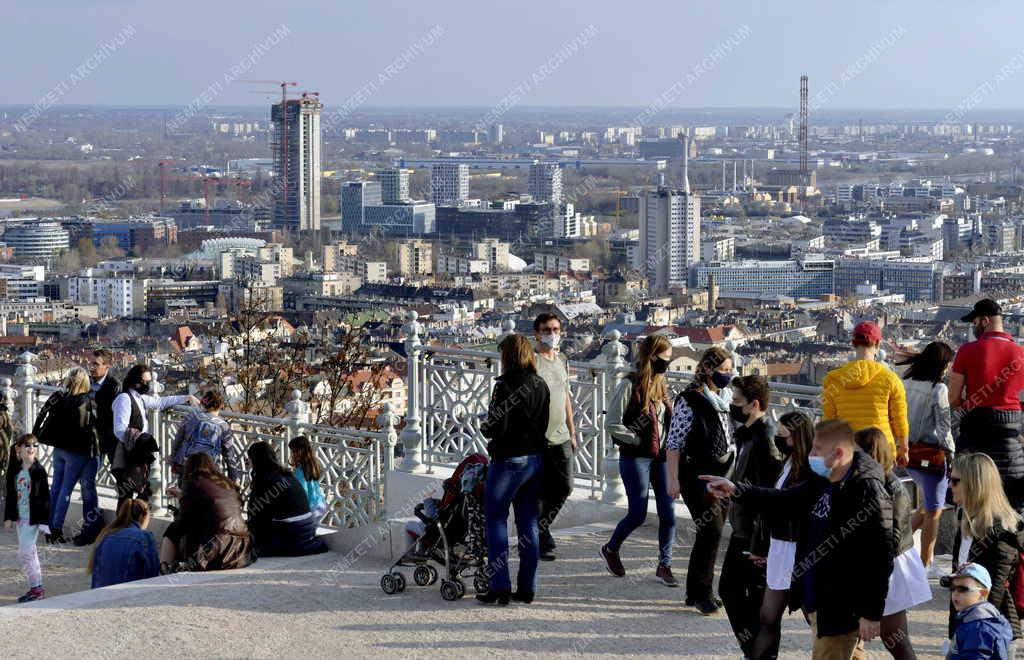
<point>794,435</point>
<point>931,441</point>
<point>209,532</point>
<point>279,516</point>
<point>516,423</point>
<point>700,441</point>
<point>125,550</point>
<point>638,419</point>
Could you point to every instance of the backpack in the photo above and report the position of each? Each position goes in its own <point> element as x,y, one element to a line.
<point>46,422</point>
<point>205,436</point>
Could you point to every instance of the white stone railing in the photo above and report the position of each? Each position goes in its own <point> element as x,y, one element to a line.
<point>449,390</point>
<point>355,462</point>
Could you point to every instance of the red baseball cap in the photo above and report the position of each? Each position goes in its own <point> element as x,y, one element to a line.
<point>867,332</point>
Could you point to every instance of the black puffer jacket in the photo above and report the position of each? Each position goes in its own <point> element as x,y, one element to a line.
<point>995,433</point>
<point>517,419</point>
<point>998,552</point>
<point>853,565</point>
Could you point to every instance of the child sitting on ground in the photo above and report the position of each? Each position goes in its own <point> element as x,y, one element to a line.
<point>982,632</point>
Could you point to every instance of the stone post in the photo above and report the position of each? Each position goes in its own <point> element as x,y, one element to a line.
<point>412,436</point>
<point>24,379</point>
<point>613,353</point>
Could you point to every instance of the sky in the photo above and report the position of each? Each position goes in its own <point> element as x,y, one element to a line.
<point>936,54</point>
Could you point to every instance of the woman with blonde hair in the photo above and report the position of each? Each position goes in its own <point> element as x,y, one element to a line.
<point>989,531</point>
<point>700,441</point>
<point>638,418</point>
<point>67,422</point>
<point>908,583</point>
<point>516,423</point>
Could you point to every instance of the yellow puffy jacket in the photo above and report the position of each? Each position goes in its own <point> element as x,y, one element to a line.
<point>865,393</point>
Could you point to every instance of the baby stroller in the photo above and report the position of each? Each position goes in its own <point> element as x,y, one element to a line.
<point>451,534</point>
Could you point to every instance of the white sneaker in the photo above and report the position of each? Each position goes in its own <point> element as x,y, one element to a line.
<point>934,572</point>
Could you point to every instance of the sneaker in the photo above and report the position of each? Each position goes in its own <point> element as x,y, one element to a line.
<point>708,607</point>
<point>934,572</point>
<point>547,555</point>
<point>612,562</point>
<point>664,575</point>
<point>35,593</point>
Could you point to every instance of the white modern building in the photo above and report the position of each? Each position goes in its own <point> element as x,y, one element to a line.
<point>669,237</point>
<point>114,296</point>
<point>37,240</point>
<point>297,161</point>
<point>449,184</point>
<point>811,276</point>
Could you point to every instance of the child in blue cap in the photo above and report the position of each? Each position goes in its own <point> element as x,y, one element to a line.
<point>981,631</point>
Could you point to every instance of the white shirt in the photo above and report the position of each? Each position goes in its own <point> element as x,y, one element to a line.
<point>122,409</point>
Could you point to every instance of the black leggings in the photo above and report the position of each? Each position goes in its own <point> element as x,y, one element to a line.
<point>773,606</point>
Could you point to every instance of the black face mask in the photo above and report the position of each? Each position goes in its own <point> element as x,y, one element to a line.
<point>659,366</point>
<point>737,414</point>
<point>783,446</point>
<point>142,388</point>
<point>720,380</point>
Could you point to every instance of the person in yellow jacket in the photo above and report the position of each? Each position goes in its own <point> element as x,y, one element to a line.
<point>867,393</point>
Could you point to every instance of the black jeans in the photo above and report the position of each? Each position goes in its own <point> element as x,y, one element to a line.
<point>709,519</point>
<point>558,482</point>
<point>741,588</point>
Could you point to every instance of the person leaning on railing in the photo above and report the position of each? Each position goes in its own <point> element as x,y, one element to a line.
<point>985,384</point>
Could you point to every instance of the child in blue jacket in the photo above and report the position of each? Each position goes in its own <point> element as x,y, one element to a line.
<point>981,631</point>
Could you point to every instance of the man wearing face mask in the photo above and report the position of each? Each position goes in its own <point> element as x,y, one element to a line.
<point>553,368</point>
<point>985,384</point>
<point>846,545</point>
<point>758,463</point>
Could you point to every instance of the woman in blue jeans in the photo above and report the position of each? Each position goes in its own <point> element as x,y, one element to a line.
<point>516,422</point>
<point>638,419</point>
<point>67,424</point>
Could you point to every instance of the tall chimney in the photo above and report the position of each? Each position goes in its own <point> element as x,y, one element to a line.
<point>686,163</point>
<point>712,293</point>
<point>734,176</point>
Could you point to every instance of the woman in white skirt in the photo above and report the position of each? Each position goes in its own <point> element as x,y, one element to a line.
<point>794,434</point>
<point>908,584</point>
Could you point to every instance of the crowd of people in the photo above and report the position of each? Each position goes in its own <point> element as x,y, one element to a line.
<point>95,417</point>
<point>820,518</point>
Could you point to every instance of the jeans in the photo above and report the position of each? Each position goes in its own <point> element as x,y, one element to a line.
<point>558,482</point>
<point>69,469</point>
<point>513,482</point>
<point>639,475</point>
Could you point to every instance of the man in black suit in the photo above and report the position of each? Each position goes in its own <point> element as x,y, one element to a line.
<point>105,388</point>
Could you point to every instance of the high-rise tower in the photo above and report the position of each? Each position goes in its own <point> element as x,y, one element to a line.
<point>297,163</point>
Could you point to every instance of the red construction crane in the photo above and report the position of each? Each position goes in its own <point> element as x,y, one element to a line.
<point>284,84</point>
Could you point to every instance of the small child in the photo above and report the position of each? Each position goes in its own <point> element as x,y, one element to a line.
<point>308,472</point>
<point>28,504</point>
<point>981,631</point>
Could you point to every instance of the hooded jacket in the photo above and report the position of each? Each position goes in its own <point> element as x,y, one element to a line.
<point>866,393</point>
<point>982,632</point>
<point>999,552</point>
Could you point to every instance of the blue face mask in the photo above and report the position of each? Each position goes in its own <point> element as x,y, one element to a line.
<point>818,467</point>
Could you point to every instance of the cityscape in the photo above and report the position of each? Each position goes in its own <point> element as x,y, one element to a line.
<point>342,247</point>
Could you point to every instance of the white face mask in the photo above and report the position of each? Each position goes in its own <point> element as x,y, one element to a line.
<point>551,341</point>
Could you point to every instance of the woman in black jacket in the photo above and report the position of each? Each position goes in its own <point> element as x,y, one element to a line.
<point>700,441</point>
<point>989,533</point>
<point>67,423</point>
<point>279,517</point>
<point>516,422</point>
<point>794,435</point>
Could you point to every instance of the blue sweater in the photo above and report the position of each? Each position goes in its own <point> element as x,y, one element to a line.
<point>981,632</point>
<point>126,555</point>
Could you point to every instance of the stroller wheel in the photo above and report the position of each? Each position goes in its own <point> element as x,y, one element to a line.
<point>481,584</point>
<point>433,574</point>
<point>450,590</point>
<point>421,576</point>
<point>399,581</point>
<point>461,586</point>
<point>388,584</point>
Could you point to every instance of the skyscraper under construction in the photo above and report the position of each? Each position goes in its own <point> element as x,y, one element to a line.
<point>296,144</point>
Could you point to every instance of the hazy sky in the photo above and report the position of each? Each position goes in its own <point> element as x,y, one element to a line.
<point>872,54</point>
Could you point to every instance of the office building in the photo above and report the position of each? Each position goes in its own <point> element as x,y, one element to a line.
<point>297,163</point>
<point>355,195</point>
<point>415,257</point>
<point>37,240</point>
<point>496,133</point>
<point>137,235</point>
<point>415,218</point>
<point>449,184</point>
<point>545,182</point>
<point>718,249</point>
<point>394,185</point>
<point>670,232</point>
<point>915,280</point>
<point>810,276</point>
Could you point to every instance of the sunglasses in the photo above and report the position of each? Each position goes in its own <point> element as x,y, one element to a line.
<point>964,589</point>
<point>32,446</point>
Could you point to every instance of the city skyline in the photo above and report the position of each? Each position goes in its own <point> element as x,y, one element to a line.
<point>461,55</point>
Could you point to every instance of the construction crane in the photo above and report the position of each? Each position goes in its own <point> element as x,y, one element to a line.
<point>284,85</point>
